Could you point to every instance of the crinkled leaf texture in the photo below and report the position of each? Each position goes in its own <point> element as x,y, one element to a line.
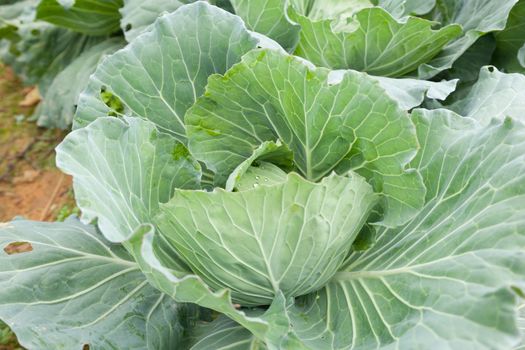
<point>75,289</point>
<point>161,73</point>
<point>351,125</point>
<point>92,17</point>
<point>289,237</point>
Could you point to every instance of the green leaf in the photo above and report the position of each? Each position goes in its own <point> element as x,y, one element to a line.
<point>265,157</point>
<point>262,174</point>
<point>154,254</point>
<point>289,237</point>
<point>443,280</point>
<point>92,17</point>
<point>137,15</point>
<point>270,95</point>
<point>12,13</point>
<point>402,8</point>
<point>410,93</point>
<point>75,289</point>
<point>122,170</point>
<point>40,51</point>
<point>268,17</point>
<point>521,56</point>
<point>511,40</point>
<point>200,38</point>
<point>374,42</point>
<point>407,92</point>
<point>337,10</point>
<point>495,95</point>
<point>521,326</point>
<point>477,17</point>
<point>60,101</point>
<point>467,67</point>
<point>223,333</point>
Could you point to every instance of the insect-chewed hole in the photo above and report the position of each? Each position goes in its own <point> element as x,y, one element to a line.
<point>85,347</point>
<point>112,101</point>
<point>18,248</point>
<point>128,27</point>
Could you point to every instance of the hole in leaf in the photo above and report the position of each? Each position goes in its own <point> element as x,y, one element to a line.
<point>180,152</point>
<point>518,291</point>
<point>85,347</point>
<point>18,248</point>
<point>491,69</point>
<point>112,101</point>
<point>127,28</point>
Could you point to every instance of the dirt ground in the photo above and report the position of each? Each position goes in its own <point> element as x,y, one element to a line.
<point>30,185</point>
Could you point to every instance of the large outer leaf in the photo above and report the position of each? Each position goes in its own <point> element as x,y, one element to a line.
<point>122,170</point>
<point>494,95</point>
<point>511,41</point>
<point>376,43</point>
<point>60,101</point>
<point>159,75</point>
<point>271,325</point>
<point>139,14</point>
<point>270,96</point>
<point>268,17</point>
<point>74,288</point>
<point>289,237</point>
<point>444,280</point>
<point>154,257</point>
<point>477,17</point>
<point>92,17</point>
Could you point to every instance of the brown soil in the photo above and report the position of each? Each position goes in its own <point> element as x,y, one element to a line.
<point>30,185</point>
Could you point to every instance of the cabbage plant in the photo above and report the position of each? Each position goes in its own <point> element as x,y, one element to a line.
<point>237,196</point>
